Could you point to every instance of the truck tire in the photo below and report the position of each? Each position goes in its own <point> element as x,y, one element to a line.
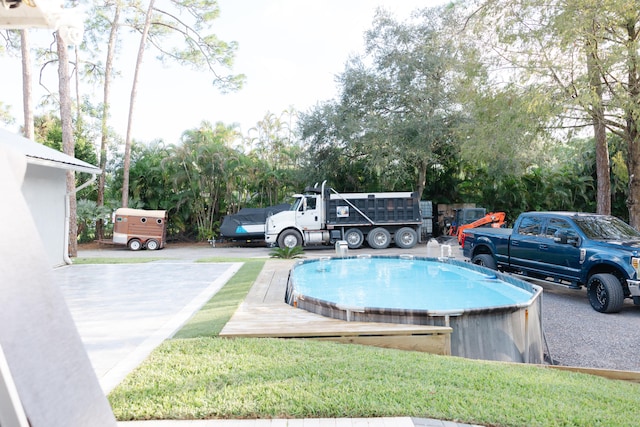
<point>354,238</point>
<point>135,244</point>
<point>289,239</point>
<point>605,293</point>
<point>152,244</point>
<point>379,238</point>
<point>405,238</point>
<point>485,260</point>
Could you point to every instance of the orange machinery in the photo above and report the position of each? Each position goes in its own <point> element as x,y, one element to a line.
<point>496,219</point>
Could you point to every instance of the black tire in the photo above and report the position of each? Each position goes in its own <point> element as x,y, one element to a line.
<point>405,238</point>
<point>606,294</point>
<point>379,238</point>
<point>485,260</point>
<point>152,244</point>
<point>354,238</point>
<point>289,239</point>
<point>135,244</point>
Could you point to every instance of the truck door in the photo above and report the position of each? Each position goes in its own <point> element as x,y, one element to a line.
<point>525,241</point>
<point>308,214</point>
<point>561,249</point>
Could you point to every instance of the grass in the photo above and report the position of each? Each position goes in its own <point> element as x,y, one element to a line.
<point>198,375</point>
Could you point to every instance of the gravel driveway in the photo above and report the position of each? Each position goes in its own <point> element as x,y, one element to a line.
<point>577,335</point>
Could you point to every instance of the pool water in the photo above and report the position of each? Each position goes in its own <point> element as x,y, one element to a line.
<point>409,284</point>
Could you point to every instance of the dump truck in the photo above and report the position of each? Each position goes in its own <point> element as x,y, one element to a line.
<point>140,228</point>
<point>322,216</point>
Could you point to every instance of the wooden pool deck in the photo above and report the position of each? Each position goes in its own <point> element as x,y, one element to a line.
<point>264,313</point>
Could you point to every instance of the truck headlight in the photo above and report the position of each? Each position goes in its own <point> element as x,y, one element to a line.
<point>635,263</point>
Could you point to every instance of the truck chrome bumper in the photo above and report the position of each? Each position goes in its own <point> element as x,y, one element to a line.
<point>634,287</point>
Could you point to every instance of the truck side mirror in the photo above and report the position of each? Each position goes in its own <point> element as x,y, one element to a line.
<point>560,237</point>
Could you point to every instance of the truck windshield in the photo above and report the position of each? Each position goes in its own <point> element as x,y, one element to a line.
<point>296,204</point>
<point>606,228</point>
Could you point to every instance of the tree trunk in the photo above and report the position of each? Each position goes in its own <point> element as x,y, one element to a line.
<point>632,134</point>
<point>422,179</point>
<point>134,88</point>
<point>603,173</point>
<point>68,143</point>
<point>108,69</point>
<point>27,103</point>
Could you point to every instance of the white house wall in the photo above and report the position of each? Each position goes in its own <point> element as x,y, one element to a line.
<point>44,189</point>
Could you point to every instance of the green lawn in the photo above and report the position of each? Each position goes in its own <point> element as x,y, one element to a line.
<point>199,375</point>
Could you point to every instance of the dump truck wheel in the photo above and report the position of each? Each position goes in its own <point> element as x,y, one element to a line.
<point>379,238</point>
<point>354,238</point>
<point>135,244</point>
<point>152,244</point>
<point>289,239</point>
<point>405,238</point>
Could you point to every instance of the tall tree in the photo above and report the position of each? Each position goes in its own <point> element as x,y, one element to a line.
<point>64,92</point>
<point>199,49</point>
<point>397,109</point>
<point>132,102</point>
<point>106,108</point>
<point>27,85</point>
<point>585,53</point>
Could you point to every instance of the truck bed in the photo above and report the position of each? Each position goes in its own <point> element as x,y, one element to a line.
<point>499,236</point>
<point>378,208</point>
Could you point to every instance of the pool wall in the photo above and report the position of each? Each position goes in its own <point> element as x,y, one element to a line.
<point>511,333</point>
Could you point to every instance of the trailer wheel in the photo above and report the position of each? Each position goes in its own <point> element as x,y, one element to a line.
<point>135,244</point>
<point>379,238</point>
<point>354,238</point>
<point>405,238</point>
<point>289,239</point>
<point>605,293</point>
<point>485,260</point>
<point>152,244</point>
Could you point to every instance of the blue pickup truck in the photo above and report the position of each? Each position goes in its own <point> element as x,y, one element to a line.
<point>599,252</point>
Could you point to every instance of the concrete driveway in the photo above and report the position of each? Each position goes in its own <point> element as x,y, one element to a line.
<point>123,311</point>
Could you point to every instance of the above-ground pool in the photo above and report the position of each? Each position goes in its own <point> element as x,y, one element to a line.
<point>493,316</point>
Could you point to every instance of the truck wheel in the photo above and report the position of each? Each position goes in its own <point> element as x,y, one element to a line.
<point>485,260</point>
<point>289,239</point>
<point>379,238</point>
<point>605,293</point>
<point>135,244</point>
<point>354,238</point>
<point>405,238</point>
<point>152,244</point>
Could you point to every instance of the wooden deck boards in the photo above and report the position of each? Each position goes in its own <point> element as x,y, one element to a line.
<point>264,313</point>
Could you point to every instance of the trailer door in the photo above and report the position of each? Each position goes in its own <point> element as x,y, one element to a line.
<point>308,214</point>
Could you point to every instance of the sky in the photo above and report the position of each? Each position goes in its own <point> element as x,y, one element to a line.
<point>289,50</point>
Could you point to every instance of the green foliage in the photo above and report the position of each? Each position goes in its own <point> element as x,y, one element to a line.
<point>395,118</point>
<point>5,114</point>
<point>88,212</point>
<point>181,31</point>
<point>287,253</point>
